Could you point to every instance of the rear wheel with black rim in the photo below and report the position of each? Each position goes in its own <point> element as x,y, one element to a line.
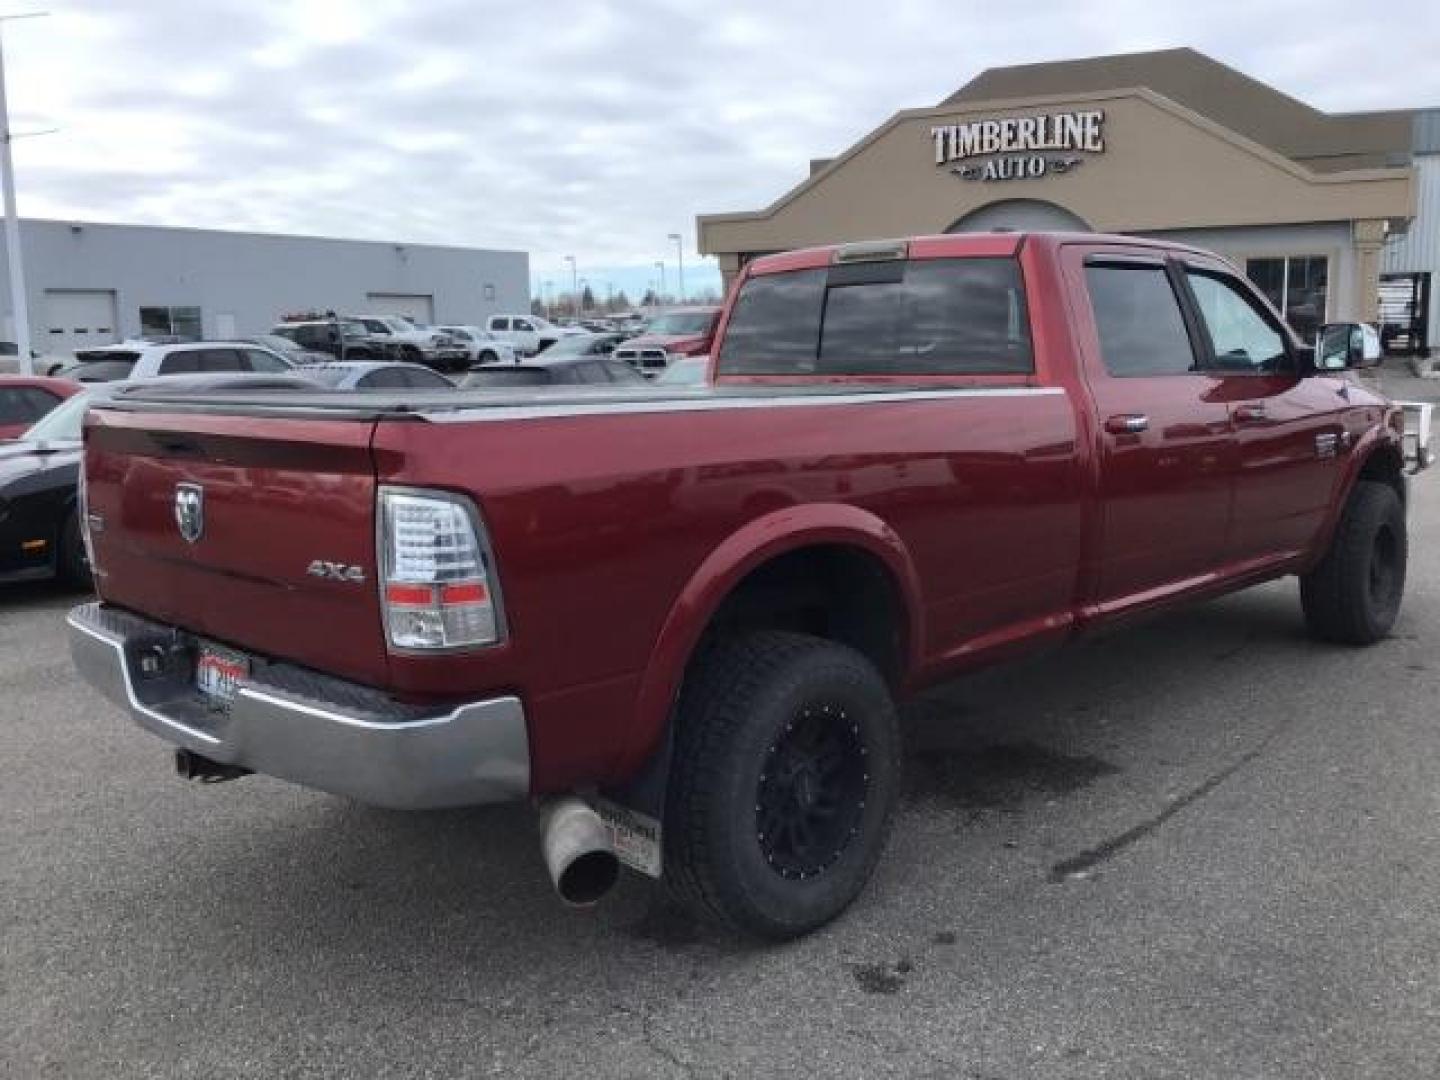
<point>786,771</point>
<point>1353,596</point>
<point>486,357</point>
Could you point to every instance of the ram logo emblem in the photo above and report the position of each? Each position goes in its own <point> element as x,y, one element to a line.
<point>190,511</point>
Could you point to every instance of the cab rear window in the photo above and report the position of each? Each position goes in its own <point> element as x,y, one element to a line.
<point>928,317</point>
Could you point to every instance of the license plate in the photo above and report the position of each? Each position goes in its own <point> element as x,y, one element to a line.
<point>219,672</point>
<point>635,836</point>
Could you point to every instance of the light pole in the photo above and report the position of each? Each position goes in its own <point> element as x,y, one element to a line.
<point>12,221</point>
<point>679,264</point>
<point>574,285</point>
<point>661,267</point>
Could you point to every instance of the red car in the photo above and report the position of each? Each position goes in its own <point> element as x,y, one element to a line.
<point>680,618</point>
<point>26,398</point>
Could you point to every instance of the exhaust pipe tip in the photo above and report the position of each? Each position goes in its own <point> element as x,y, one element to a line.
<point>578,854</point>
<point>586,880</point>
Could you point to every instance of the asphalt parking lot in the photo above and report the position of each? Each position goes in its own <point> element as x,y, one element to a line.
<point>1203,847</point>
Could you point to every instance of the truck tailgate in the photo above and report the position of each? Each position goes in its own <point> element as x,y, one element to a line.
<point>276,495</point>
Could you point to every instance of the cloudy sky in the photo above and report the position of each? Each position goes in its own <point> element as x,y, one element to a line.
<point>580,128</point>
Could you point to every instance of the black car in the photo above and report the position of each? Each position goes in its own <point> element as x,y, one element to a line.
<point>570,361</point>
<point>40,533</point>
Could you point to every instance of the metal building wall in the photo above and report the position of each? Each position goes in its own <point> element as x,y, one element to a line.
<point>255,278</point>
<point>1417,250</point>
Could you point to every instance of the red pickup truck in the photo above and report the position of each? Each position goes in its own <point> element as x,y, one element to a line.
<point>678,619</point>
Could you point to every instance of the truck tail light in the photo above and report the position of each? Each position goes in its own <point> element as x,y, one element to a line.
<point>437,578</point>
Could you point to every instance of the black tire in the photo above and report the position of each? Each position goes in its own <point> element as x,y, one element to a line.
<point>1353,596</point>
<point>411,355</point>
<point>486,357</point>
<point>72,563</point>
<point>776,729</point>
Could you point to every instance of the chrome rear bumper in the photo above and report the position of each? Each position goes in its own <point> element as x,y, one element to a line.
<point>303,727</point>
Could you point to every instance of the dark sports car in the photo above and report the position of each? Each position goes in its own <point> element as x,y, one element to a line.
<point>40,533</point>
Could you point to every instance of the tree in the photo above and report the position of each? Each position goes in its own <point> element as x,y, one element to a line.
<point>649,299</point>
<point>587,299</point>
<point>537,307</point>
<point>622,302</point>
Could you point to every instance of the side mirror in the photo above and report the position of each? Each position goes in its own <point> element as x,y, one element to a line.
<point>1342,346</point>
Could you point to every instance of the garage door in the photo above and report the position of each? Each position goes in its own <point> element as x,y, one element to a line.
<point>77,319</point>
<point>421,308</point>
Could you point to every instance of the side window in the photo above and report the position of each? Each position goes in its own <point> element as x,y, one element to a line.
<point>775,327</point>
<point>1243,338</point>
<point>263,361</point>
<point>40,401</point>
<point>1138,321</point>
<point>222,360</point>
<point>521,324</point>
<point>943,317</point>
<point>383,379</point>
<point>181,363</point>
<point>926,317</point>
<point>420,378</point>
<point>13,408</point>
<point>499,323</point>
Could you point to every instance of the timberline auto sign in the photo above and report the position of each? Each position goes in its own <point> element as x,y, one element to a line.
<point>1019,148</point>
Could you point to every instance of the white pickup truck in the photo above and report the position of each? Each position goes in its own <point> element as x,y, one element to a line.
<point>530,334</point>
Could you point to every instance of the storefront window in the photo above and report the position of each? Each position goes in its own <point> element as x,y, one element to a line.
<point>1297,285</point>
<point>181,322</point>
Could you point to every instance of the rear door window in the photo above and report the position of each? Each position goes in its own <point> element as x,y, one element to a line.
<point>223,360</point>
<point>264,361</point>
<point>927,317</point>
<point>185,362</point>
<point>1138,322</point>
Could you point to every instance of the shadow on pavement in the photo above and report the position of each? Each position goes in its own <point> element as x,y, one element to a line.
<point>460,888</point>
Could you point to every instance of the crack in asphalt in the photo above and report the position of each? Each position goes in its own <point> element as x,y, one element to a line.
<point>659,1049</point>
<point>1108,849</point>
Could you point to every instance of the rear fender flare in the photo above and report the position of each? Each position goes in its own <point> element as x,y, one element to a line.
<point>759,541</point>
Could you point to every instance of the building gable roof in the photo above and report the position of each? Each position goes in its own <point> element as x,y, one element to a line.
<point>1323,142</point>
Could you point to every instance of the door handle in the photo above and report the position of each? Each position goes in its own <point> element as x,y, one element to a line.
<point>1127,424</point>
<point>1250,414</point>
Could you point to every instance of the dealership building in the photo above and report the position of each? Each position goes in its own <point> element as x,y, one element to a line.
<point>90,284</point>
<point>1334,216</point>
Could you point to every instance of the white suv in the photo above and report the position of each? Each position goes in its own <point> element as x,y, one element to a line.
<point>146,360</point>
